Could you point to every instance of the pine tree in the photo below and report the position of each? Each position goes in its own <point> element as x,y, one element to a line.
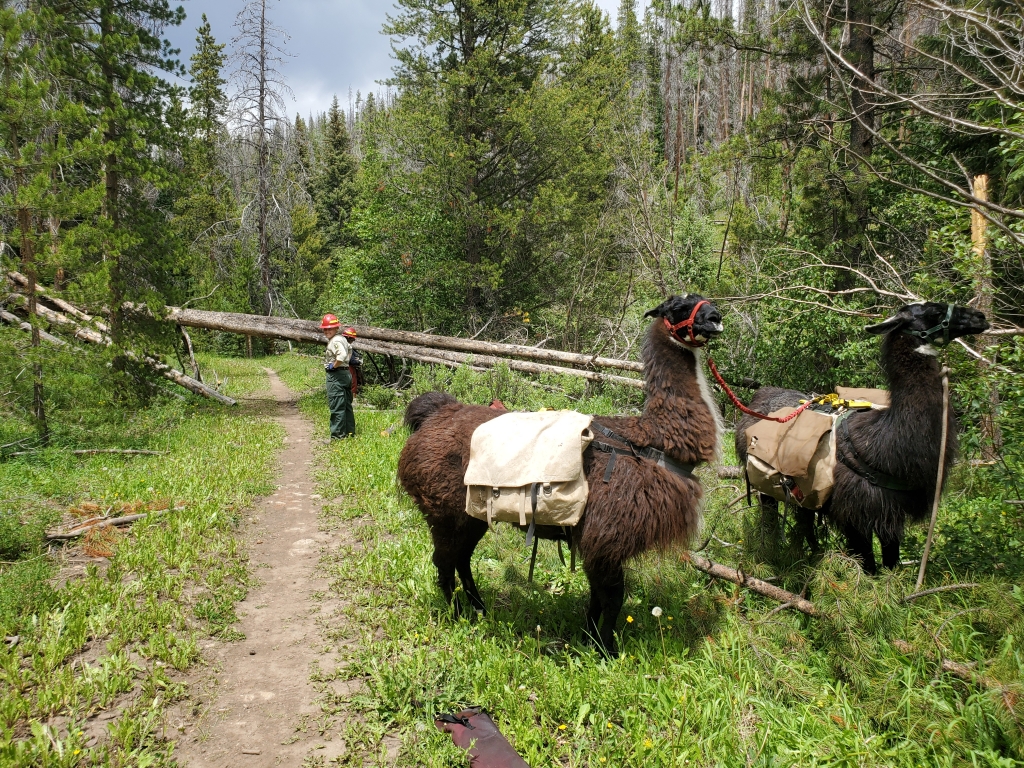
<point>333,187</point>
<point>206,94</point>
<point>114,55</point>
<point>24,114</point>
<point>491,164</point>
<point>204,199</point>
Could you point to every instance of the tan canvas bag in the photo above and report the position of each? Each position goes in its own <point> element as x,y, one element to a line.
<point>522,461</point>
<point>793,462</point>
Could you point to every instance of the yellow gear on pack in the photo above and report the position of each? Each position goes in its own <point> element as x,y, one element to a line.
<point>795,462</point>
<point>528,468</point>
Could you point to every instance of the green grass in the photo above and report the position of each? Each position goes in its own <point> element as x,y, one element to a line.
<point>719,679</point>
<point>115,633</point>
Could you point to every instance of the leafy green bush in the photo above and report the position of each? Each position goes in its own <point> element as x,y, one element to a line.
<point>381,398</point>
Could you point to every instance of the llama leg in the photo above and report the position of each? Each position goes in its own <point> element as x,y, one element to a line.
<point>805,528</point>
<point>861,547</point>
<point>594,616</point>
<point>608,588</point>
<point>445,575</point>
<point>475,531</point>
<point>891,554</point>
<point>445,558</point>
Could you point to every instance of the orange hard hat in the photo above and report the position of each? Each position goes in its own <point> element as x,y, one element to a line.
<point>350,332</point>
<point>330,321</point>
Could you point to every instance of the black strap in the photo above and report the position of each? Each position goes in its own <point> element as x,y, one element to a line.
<point>611,462</point>
<point>856,463</point>
<point>446,717</point>
<point>659,457</point>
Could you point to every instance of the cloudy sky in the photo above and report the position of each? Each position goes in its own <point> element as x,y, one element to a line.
<point>336,45</point>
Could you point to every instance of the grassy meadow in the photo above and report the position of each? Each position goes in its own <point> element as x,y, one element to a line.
<point>107,627</point>
<point>720,679</point>
<point>98,632</point>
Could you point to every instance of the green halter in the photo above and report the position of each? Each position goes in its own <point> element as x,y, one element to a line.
<point>929,336</point>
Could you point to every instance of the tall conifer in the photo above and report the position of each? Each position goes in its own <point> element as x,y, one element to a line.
<point>333,187</point>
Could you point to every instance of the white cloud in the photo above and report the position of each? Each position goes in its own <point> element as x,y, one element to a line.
<point>336,45</point>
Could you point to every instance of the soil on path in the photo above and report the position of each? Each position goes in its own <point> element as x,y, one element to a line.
<point>255,703</point>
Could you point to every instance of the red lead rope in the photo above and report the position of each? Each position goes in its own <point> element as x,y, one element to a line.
<point>748,411</point>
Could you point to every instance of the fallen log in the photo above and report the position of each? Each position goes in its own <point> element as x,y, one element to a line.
<point>70,309</point>
<point>418,358</point>
<point>58,318</point>
<point>95,337</point>
<point>7,317</point>
<point>179,378</point>
<point>309,331</point>
<point>726,573</point>
<point>460,358</point>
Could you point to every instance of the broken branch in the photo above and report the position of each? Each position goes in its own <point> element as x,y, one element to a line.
<point>74,533</point>
<point>725,573</point>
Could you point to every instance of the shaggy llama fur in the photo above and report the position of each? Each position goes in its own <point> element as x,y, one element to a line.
<point>902,441</point>
<point>643,507</point>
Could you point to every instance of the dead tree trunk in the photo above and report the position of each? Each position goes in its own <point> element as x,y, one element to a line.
<point>991,437</point>
<point>309,331</point>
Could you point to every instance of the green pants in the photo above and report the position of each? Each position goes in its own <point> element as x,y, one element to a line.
<point>339,400</point>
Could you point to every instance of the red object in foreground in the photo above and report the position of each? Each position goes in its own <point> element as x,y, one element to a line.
<point>474,727</point>
<point>497,405</point>
<point>742,407</point>
<point>330,321</point>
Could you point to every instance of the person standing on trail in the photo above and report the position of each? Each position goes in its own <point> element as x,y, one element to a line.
<point>339,379</point>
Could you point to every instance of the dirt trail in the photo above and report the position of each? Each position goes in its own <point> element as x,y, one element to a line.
<point>257,708</point>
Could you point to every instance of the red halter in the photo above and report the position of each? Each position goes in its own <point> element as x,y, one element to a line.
<point>688,325</point>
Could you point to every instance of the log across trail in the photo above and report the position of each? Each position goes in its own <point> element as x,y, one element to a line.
<point>412,345</point>
<point>309,331</point>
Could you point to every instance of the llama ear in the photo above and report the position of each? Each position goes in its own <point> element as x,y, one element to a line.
<point>891,324</point>
<point>663,309</point>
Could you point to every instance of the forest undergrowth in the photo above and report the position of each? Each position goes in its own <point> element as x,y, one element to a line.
<point>97,632</point>
<point>721,677</point>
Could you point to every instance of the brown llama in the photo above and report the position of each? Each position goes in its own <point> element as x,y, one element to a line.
<point>643,506</point>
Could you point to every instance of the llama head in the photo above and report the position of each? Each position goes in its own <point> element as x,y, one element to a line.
<point>686,325</point>
<point>933,323</point>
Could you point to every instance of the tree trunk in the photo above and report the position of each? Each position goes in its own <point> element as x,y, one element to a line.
<point>111,180</point>
<point>309,331</point>
<point>428,354</point>
<point>991,436</point>
<point>861,55</point>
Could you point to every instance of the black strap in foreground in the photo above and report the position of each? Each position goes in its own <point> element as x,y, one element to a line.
<point>659,457</point>
<point>856,464</point>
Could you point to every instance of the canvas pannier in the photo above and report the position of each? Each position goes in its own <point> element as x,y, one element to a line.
<point>795,462</point>
<point>521,462</point>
